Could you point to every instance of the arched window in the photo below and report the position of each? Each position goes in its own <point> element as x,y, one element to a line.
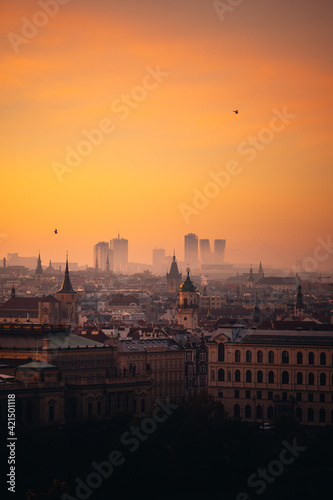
<point>248,356</point>
<point>299,358</point>
<point>322,358</point>
<point>271,357</point>
<point>221,352</point>
<point>322,415</point>
<point>271,377</point>
<point>259,357</point>
<point>285,378</point>
<point>212,375</point>
<point>247,411</point>
<point>285,357</point>
<point>237,356</point>
<point>236,411</point>
<point>299,378</point>
<point>311,379</point>
<point>248,376</point>
<point>322,379</point>
<point>259,411</point>
<point>259,377</point>
<point>220,375</point>
<point>237,376</point>
<point>270,413</point>
<point>299,414</point>
<point>310,415</point>
<point>311,358</point>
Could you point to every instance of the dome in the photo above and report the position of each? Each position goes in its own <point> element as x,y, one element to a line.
<point>187,286</point>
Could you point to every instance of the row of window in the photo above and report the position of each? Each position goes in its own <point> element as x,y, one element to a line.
<point>271,356</point>
<point>270,413</point>
<point>259,395</point>
<point>300,379</point>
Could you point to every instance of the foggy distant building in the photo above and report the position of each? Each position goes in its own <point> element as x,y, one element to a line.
<point>119,247</point>
<point>39,269</point>
<point>205,253</point>
<point>158,258</point>
<point>101,253</point>
<point>219,249</point>
<point>191,250</point>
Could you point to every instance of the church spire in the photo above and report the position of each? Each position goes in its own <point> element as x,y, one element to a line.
<point>66,284</point>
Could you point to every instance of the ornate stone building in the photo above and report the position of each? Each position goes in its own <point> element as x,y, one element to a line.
<point>261,374</point>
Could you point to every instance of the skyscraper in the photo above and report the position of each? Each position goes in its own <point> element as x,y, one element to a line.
<point>119,246</point>
<point>205,253</point>
<point>101,253</point>
<point>191,250</point>
<point>219,249</point>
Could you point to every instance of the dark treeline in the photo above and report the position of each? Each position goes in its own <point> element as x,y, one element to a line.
<point>197,452</point>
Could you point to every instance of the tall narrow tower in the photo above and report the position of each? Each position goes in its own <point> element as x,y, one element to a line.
<point>68,298</point>
<point>39,269</point>
<point>174,277</point>
<point>188,304</point>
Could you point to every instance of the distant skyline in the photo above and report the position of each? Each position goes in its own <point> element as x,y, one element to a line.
<point>160,82</point>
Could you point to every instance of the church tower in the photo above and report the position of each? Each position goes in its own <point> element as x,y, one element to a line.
<point>39,269</point>
<point>174,277</point>
<point>299,305</point>
<point>68,298</point>
<point>188,304</point>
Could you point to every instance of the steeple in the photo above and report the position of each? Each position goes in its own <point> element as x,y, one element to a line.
<point>260,271</point>
<point>250,278</point>
<point>39,269</point>
<point>107,264</point>
<point>66,284</point>
<point>13,293</point>
<point>174,277</point>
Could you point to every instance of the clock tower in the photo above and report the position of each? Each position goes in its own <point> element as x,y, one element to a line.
<point>188,304</point>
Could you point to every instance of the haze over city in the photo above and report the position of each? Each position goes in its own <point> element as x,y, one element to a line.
<point>163,79</point>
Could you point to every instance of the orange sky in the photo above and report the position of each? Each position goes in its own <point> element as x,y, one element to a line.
<point>70,77</point>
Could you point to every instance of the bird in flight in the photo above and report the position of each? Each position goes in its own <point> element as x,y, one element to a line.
<point>236,111</point>
<point>56,231</point>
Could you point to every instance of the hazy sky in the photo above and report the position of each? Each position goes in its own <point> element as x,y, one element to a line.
<point>162,79</point>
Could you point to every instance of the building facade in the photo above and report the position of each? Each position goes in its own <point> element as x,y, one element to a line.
<point>260,375</point>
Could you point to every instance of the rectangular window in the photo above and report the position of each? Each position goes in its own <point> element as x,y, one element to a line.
<point>220,394</point>
<point>236,393</point>
<point>310,397</point>
<point>143,405</point>
<point>298,396</point>
<point>322,398</point>
<point>99,409</point>
<point>284,396</point>
<point>90,409</point>
<point>270,395</point>
<point>248,394</point>
<point>259,395</point>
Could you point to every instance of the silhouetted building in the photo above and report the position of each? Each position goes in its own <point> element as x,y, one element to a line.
<point>205,252</point>
<point>174,277</point>
<point>119,247</point>
<point>39,269</point>
<point>191,250</point>
<point>68,298</point>
<point>219,251</point>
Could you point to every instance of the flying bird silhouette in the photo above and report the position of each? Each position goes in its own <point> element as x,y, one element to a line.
<point>56,231</point>
<point>236,111</point>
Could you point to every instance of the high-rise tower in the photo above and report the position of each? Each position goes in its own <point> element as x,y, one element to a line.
<point>191,250</point>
